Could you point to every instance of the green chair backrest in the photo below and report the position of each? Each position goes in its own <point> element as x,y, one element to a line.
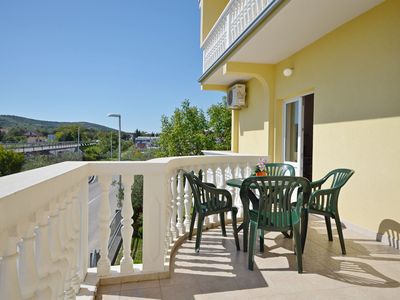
<point>205,196</point>
<point>326,199</point>
<point>275,210</point>
<point>340,177</point>
<point>279,169</point>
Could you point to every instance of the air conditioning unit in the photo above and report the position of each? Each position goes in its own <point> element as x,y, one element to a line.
<point>236,97</point>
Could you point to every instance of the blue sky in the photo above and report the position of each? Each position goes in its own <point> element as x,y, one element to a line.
<point>78,60</point>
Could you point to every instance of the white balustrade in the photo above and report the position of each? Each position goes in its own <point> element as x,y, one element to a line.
<point>168,233</point>
<point>213,218</point>
<point>180,203</point>
<point>174,206</point>
<point>104,265</point>
<point>187,203</point>
<point>233,21</point>
<point>127,229</point>
<point>44,215</point>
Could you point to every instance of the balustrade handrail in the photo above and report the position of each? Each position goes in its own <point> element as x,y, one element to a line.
<point>56,197</point>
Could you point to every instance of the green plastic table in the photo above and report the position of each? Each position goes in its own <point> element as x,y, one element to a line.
<point>237,183</point>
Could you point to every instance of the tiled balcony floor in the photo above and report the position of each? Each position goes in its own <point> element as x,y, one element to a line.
<point>370,270</point>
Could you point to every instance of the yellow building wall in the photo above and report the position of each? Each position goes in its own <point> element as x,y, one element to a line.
<point>210,10</point>
<point>254,120</point>
<point>355,74</point>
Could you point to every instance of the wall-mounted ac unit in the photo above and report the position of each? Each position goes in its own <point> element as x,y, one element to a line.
<point>236,97</point>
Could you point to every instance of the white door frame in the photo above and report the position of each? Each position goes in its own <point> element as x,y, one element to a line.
<point>300,111</point>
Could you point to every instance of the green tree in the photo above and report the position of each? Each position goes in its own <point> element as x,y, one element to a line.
<point>10,162</point>
<point>67,133</point>
<point>185,132</point>
<point>220,119</point>
<point>15,135</point>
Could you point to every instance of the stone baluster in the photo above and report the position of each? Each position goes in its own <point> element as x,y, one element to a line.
<point>70,243</point>
<point>231,172</point>
<point>50,286</point>
<point>28,275</point>
<point>75,214</point>
<point>9,283</point>
<point>83,196</point>
<point>180,204</point>
<point>103,266</point>
<point>213,180</point>
<point>238,202</point>
<point>205,173</point>
<point>154,204</point>
<point>224,186</point>
<point>207,220</point>
<point>188,204</point>
<point>174,228</point>
<point>168,233</point>
<point>65,237</point>
<point>127,229</point>
<point>59,261</point>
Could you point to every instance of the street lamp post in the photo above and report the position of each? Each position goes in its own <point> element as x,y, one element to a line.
<point>111,144</point>
<point>119,132</point>
<point>79,129</point>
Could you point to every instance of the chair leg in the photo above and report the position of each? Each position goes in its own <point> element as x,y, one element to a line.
<point>222,219</point>
<point>199,232</point>
<point>304,226</point>
<point>245,235</point>
<point>340,232</point>
<point>288,234</point>
<point>297,240</point>
<point>235,230</point>
<point>329,227</point>
<point>252,245</point>
<point>261,240</point>
<point>192,224</point>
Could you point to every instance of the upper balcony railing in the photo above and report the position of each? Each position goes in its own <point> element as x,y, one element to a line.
<point>237,16</point>
<point>44,220</point>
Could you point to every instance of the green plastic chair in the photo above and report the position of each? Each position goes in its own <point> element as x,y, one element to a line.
<point>208,200</point>
<point>324,201</point>
<point>279,169</point>
<point>275,212</point>
<point>273,169</point>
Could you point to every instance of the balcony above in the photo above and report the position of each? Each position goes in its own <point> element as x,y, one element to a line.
<point>268,31</point>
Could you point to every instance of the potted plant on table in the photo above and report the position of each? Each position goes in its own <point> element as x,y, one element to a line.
<point>261,169</point>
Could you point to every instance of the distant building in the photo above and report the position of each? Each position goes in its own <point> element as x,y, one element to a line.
<point>51,137</point>
<point>146,142</point>
<point>33,137</point>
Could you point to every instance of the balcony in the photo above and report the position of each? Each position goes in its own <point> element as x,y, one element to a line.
<point>268,32</point>
<point>44,223</point>
<point>237,16</point>
<point>44,241</point>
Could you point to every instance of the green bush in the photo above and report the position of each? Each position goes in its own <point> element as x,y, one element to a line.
<point>10,161</point>
<point>39,161</point>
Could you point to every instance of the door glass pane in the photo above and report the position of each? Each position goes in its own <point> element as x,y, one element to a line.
<point>292,127</point>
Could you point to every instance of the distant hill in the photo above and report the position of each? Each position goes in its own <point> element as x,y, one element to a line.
<point>7,121</point>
